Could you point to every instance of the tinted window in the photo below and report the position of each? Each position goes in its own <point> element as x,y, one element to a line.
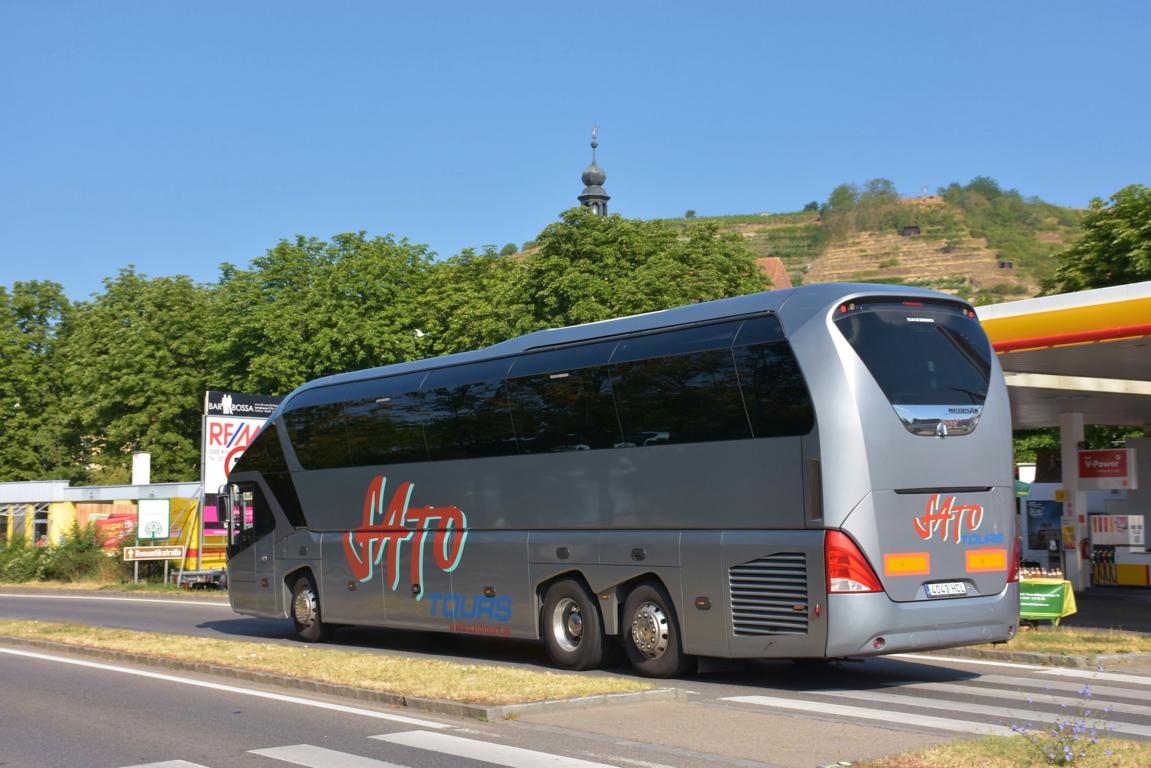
<point>920,354</point>
<point>773,387</point>
<point>466,412</point>
<point>318,435</point>
<point>562,401</point>
<point>679,387</point>
<point>264,454</point>
<point>384,425</point>
<point>677,342</point>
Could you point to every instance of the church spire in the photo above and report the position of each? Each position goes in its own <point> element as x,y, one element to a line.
<point>594,196</point>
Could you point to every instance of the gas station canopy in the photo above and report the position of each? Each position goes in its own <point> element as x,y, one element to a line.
<point>1086,353</point>
<point>1072,360</point>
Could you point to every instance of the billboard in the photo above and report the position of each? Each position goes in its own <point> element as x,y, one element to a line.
<point>1113,468</point>
<point>231,420</point>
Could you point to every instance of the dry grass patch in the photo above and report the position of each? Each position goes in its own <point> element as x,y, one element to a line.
<point>1014,752</point>
<point>1076,642</point>
<point>425,678</point>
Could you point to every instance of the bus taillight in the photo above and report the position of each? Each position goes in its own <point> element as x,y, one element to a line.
<point>847,568</point>
<point>1016,556</point>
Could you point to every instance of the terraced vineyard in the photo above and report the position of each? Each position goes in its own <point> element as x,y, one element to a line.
<point>931,246</point>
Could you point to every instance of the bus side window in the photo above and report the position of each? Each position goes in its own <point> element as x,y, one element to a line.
<point>773,386</point>
<point>385,423</point>
<point>252,517</point>
<point>318,435</point>
<point>562,401</point>
<point>679,387</point>
<point>466,413</point>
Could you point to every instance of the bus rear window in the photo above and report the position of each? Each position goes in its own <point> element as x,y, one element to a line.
<point>920,353</point>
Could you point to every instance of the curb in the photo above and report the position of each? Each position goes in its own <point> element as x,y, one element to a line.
<point>1042,659</point>
<point>491,713</point>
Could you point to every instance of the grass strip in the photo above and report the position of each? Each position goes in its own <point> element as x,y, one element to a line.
<point>1014,752</point>
<point>1073,641</point>
<point>425,678</point>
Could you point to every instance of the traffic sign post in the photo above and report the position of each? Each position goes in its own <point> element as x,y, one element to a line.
<point>136,554</point>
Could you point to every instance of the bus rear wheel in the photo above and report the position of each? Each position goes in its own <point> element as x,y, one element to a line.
<point>572,630</point>
<point>306,612</point>
<point>651,635</point>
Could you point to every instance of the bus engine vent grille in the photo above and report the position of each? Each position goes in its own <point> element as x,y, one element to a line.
<point>769,595</point>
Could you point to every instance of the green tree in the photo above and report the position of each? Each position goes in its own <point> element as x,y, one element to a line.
<point>843,198</point>
<point>811,207</point>
<point>591,267</point>
<point>136,364</point>
<point>311,308</point>
<point>471,300</point>
<point>1115,245</point>
<point>689,213</point>
<point>34,440</point>
<point>509,249</point>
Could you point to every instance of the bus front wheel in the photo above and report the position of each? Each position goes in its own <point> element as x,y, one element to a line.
<point>306,612</point>
<point>571,627</point>
<point>651,634</point>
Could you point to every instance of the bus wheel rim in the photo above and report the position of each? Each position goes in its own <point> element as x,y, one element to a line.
<point>567,624</point>
<point>304,607</point>
<point>649,630</point>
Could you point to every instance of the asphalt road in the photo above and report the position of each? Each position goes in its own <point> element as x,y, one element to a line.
<point>780,713</point>
<point>60,712</point>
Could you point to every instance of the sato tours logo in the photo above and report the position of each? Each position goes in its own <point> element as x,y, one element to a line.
<point>948,518</point>
<point>384,528</point>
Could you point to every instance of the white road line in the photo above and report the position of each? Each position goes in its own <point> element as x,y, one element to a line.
<point>957,660</point>
<point>1111,677</point>
<point>867,713</point>
<point>512,757</point>
<point>1114,677</point>
<point>215,603</point>
<point>229,689</point>
<point>168,764</point>
<point>318,757</point>
<point>1060,685</point>
<point>1016,716</point>
<point>1095,703</point>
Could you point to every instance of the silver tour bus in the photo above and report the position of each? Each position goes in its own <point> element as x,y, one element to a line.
<point>817,472</point>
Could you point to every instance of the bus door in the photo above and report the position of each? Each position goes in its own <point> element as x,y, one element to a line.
<point>252,584</point>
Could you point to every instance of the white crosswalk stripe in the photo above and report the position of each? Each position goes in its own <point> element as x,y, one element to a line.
<point>1010,715</point>
<point>1017,684</point>
<point>1074,703</point>
<point>168,764</point>
<point>867,713</point>
<point>512,757</point>
<point>1034,700</point>
<point>319,757</point>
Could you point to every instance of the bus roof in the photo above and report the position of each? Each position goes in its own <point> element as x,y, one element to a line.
<point>794,306</point>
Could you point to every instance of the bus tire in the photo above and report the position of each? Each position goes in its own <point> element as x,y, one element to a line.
<point>571,626</point>
<point>306,616</point>
<point>651,634</point>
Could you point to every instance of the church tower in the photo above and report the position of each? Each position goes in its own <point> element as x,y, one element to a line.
<point>594,196</point>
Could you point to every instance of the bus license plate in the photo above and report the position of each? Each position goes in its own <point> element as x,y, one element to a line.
<point>946,589</point>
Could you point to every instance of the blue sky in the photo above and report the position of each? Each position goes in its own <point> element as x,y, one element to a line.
<point>177,136</point>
